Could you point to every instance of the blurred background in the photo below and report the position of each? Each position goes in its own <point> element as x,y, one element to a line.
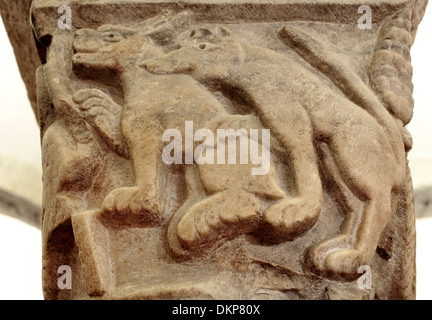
<point>20,163</point>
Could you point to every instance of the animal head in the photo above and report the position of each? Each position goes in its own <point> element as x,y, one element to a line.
<point>111,49</point>
<point>206,54</point>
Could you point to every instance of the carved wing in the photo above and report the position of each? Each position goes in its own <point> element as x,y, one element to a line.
<point>390,72</point>
<point>417,15</point>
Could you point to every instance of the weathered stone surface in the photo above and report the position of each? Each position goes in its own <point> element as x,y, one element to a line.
<point>134,220</point>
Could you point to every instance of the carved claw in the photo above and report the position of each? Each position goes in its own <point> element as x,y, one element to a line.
<point>216,218</point>
<point>289,219</point>
<point>133,205</point>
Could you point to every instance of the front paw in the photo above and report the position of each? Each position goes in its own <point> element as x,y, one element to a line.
<point>133,205</point>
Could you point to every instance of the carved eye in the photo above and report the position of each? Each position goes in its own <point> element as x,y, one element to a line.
<point>205,46</point>
<point>112,37</point>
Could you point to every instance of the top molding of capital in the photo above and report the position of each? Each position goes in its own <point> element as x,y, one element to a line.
<point>94,13</point>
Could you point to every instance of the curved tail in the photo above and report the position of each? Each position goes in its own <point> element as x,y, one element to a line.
<point>338,70</point>
<point>390,100</point>
<point>404,276</point>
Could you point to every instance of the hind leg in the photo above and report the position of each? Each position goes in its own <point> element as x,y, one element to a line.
<point>369,167</point>
<point>341,256</point>
<point>291,218</point>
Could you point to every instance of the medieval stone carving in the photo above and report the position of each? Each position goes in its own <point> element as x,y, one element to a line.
<point>137,200</point>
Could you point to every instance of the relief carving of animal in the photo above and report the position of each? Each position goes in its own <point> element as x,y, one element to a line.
<point>370,161</point>
<point>154,103</point>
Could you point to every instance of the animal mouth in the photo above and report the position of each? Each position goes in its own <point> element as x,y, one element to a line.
<point>86,44</point>
<point>83,49</point>
<point>86,59</point>
<point>83,54</point>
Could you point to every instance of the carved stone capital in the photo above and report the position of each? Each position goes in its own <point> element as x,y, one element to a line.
<point>227,149</point>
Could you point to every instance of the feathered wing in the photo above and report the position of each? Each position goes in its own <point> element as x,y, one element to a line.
<point>405,272</point>
<point>390,72</point>
<point>417,15</point>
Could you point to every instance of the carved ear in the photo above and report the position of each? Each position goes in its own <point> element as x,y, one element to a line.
<point>201,33</point>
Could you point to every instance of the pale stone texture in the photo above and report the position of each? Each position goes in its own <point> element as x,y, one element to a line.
<point>337,194</point>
